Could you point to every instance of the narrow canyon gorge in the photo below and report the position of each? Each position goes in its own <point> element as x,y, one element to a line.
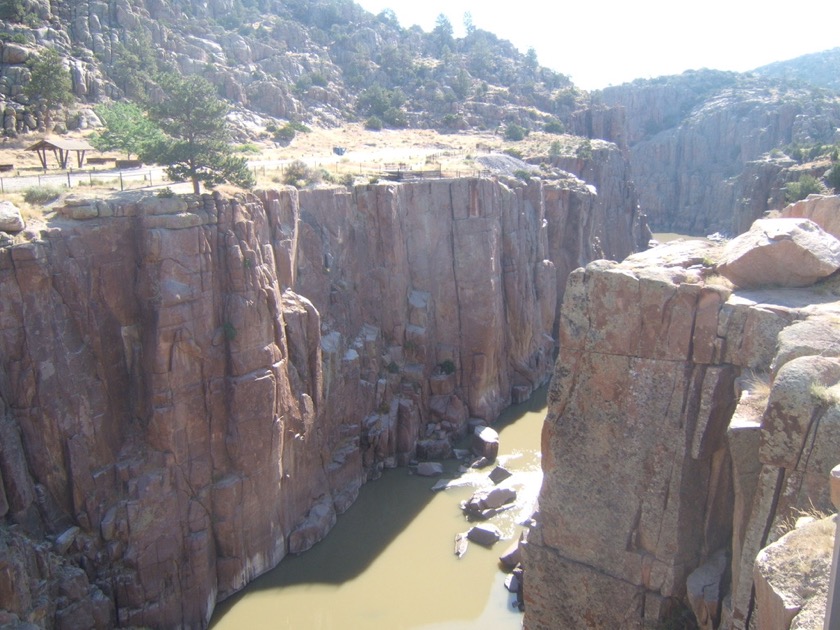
<point>194,387</point>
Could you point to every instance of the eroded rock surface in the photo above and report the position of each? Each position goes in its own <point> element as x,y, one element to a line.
<point>685,418</point>
<point>200,385</point>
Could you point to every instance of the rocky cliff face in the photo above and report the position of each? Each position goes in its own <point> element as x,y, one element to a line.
<point>700,144</point>
<point>192,388</point>
<point>688,421</point>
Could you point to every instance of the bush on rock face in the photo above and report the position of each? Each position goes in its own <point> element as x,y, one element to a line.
<point>807,185</point>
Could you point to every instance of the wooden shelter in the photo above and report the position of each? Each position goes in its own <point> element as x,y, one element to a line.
<point>61,149</point>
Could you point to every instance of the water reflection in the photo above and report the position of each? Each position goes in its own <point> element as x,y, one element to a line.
<point>389,561</point>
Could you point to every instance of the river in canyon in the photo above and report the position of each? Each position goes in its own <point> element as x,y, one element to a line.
<point>389,562</point>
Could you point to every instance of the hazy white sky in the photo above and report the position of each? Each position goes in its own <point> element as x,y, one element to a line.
<point>608,42</point>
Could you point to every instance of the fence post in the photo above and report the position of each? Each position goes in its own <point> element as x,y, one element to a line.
<point>832,604</point>
<point>121,181</point>
<point>69,183</point>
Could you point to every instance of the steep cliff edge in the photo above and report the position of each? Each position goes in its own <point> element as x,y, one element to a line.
<point>703,145</point>
<point>688,421</point>
<point>191,388</point>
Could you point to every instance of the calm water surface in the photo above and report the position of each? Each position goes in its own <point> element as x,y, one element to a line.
<point>389,562</point>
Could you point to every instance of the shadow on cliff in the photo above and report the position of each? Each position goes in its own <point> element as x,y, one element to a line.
<point>384,510</point>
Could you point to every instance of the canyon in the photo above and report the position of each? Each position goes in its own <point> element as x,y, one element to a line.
<point>194,387</point>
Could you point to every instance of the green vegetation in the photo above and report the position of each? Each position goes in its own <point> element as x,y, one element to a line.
<point>584,150</point>
<point>374,123</point>
<point>383,104</point>
<point>807,185</point>
<point>134,64</point>
<point>556,149</point>
<point>554,126</point>
<point>19,11</point>
<point>127,129</point>
<point>299,175</point>
<point>41,195</point>
<point>833,177</point>
<point>195,141</point>
<point>49,81</point>
<point>515,133</point>
<point>447,366</point>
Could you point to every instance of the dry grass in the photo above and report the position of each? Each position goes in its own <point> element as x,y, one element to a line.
<point>367,154</point>
<point>754,390</point>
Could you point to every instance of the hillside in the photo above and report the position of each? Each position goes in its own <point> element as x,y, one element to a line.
<point>709,150</point>
<point>817,69</point>
<point>325,62</point>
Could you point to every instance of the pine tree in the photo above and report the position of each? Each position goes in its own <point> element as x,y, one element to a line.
<point>196,142</point>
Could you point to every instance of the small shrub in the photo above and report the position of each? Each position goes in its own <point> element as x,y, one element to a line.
<point>513,152</point>
<point>229,330</point>
<point>556,149</point>
<point>833,176</point>
<point>374,123</point>
<point>41,195</point>
<point>522,174</point>
<point>393,368</point>
<point>284,135</point>
<point>165,193</point>
<point>248,147</point>
<point>348,179</point>
<point>299,175</point>
<point>807,185</point>
<point>447,367</point>
<point>554,126</point>
<point>584,150</point>
<point>515,133</point>
<point>298,126</point>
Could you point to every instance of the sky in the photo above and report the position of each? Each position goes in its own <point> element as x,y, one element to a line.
<point>600,43</point>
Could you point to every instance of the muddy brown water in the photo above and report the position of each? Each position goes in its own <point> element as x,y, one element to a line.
<point>389,562</point>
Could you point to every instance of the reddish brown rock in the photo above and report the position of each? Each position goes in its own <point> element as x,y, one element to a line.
<point>651,461</point>
<point>200,384</point>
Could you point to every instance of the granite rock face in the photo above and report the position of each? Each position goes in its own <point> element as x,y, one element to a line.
<point>685,418</point>
<point>191,388</point>
<point>703,145</point>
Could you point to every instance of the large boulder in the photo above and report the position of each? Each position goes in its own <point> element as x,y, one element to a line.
<point>786,252</point>
<point>486,535</point>
<point>10,218</point>
<point>485,443</point>
<point>791,577</point>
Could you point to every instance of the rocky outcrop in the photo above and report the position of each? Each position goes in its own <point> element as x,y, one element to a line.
<point>703,145</point>
<point>685,417</point>
<point>193,387</point>
<point>791,577</point>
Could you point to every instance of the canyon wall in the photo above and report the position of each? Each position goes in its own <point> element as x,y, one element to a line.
<point>705,146</point>
<point>689,421</point>
<point>193,387</point>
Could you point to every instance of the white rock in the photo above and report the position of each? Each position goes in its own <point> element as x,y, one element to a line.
<point>10,217</point>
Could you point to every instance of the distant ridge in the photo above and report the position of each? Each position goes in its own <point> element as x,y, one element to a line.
<point>820,69</point>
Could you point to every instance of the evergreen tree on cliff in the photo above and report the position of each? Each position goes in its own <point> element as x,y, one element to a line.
<point>196,142</point>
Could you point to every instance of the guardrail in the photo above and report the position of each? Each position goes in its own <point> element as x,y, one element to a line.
<point>125,179</point>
